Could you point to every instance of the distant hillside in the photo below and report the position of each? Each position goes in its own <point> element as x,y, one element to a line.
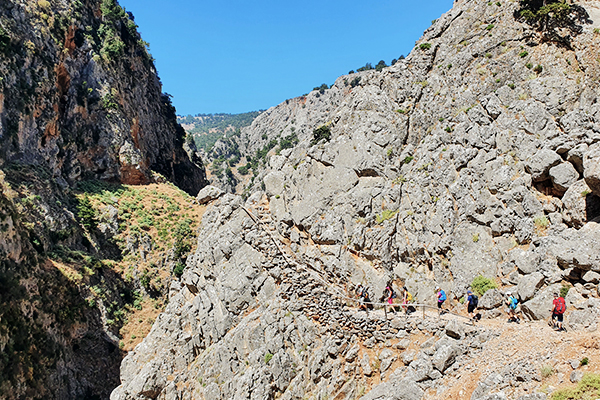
<point>208,128</point>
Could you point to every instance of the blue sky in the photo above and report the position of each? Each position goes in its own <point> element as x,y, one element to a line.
<point>236,56</point>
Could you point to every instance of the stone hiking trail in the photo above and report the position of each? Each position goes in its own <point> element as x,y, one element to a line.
<point>509,355</point>
<point>430,356</point>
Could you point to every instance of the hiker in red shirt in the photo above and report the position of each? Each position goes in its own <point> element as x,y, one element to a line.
<point>558,309</point>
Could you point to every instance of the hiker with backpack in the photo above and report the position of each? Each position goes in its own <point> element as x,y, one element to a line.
<point>407,298</point>
<point>558,309</point>
<point>389,295</point>
<point>364,301</point>
<point>472,302</point>
<point>512,303</point>
<point>441,297</point>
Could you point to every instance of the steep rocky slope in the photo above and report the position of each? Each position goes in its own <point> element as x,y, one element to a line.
<point>79,100</point>
<point>476,155</point>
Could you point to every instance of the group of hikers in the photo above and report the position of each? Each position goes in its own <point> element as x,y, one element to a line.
<point>471,301</point>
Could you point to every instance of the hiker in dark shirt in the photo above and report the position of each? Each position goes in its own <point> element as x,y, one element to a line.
<point>472,301</point>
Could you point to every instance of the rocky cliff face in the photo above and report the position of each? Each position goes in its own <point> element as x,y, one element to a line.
<point>80,96</point>
<point>79,100</point>
<point>477,155</point>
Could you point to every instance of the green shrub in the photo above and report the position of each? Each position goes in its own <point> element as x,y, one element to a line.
<point>385,215</point>
<point>4,39</point>
<point>321,89</point>
<point>541,221</point>
<point>355,82</point>
<point>288,142</point>
<point>547,371</point>
<point>587,388</point>
<point>425,46</point>
<point>243,170</point>
<point>111,10</point>
<point>86,213</point>
<point>380,65</point>
<point>564,290</point>
<point>408,159</point>
<point>584,361</point>
<point>523,54</point>
<point>367,67</point>
<point>178,270</point>
<point>490,27</point>
<point>540,13</point>
<point>322,132</point>
<point>529,65</point>
<point>109,102</point>
<point>268,357</point>
<point>538,69</point>
<point>481,284</point>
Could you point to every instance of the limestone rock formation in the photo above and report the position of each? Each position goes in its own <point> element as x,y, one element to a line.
<point>465,159</point>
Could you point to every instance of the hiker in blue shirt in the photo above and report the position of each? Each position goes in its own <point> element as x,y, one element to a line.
<point>512,303</point>
<point>441,297</point>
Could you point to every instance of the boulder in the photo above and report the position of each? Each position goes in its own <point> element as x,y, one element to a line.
<point>444,357</point>
<point>408,356</point>
<point>455,329</point>
<point>208,194</point>
<point>420,369</point>
<point>583,319</point>
<point>574,299</point>
<point>526,261</point>
<point>386,357</point>
<point>576,155</point>
<point>575,204</point>
<point>491,299</point>
<point>581,250</point>
<point>399,390</point>
<point>540,163</point>
<point>563,176</point>
<point>591,277</point>
<point>591,168</point>
<point>576,376</point>
<point>365,363</point>
<point>352,353</point>
<point>528,285</point>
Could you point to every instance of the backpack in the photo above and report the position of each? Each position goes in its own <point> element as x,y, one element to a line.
<point>513,302</point>
<point>409,297</point>
<point>474,301</point>
<point>560,306</point>
<point>442,295</point>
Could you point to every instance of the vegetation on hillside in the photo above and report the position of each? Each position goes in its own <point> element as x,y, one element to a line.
<point>206,129</point>
<point>155,231</point>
